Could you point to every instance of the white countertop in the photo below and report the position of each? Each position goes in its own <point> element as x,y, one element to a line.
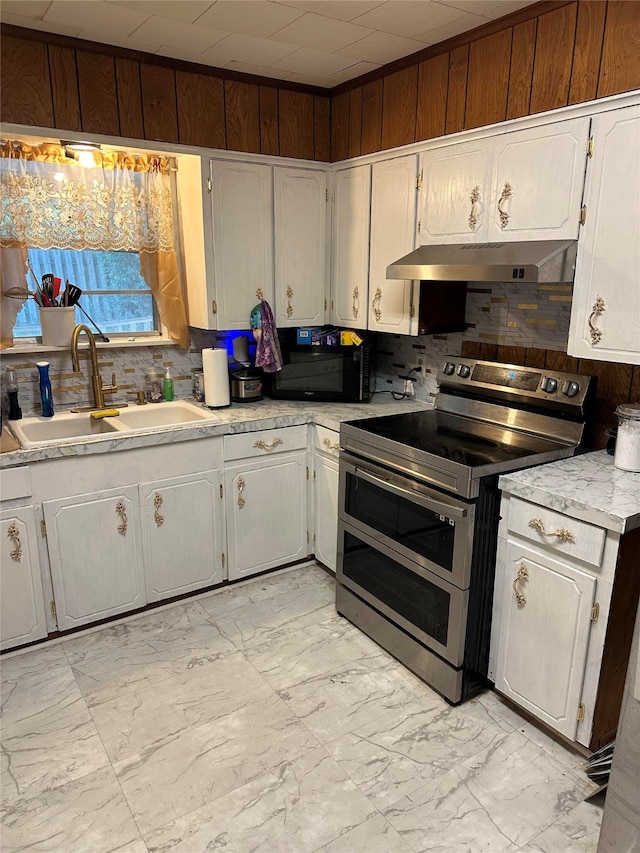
<point>587,486</point>
<point>237,418</point>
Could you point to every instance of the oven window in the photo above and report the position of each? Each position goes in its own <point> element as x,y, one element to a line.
<point>417,529</point>
<point>411,596</point>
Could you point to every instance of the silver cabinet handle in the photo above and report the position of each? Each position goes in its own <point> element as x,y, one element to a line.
<point>240,485</point>
<point>522,575</point>
<point>14,535</point>
<point>262,445</point>
<point>157,503</point>
<point>597,309</point>
<point>289,311</point>
<point>474,198</point>
<point>124,521</point>
<point>561,533</point>
<point>507,193</point>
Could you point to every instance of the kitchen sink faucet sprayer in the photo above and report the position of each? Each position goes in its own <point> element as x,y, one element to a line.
<point>99,390</point>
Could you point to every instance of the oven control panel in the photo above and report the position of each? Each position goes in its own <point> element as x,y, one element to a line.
<point>511,382</point>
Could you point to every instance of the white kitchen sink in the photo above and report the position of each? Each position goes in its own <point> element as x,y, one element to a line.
<point>67,426</point>
<point>175,413</point>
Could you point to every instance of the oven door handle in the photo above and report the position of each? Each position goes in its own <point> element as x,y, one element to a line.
<point>443,508</point>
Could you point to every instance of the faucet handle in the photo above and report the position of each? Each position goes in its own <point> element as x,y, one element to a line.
<point>110,389</point>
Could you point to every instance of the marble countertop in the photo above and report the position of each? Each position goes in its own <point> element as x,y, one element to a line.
<point>587,486</point>
<point>238,418</point>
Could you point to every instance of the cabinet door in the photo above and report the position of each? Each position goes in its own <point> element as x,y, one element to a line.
<point>393,218</point>
<point>326,514</point>
<point>266,513</point>
<point>300,220</point>
<point>182,534</point>
<point>22,617</point>
<point>350,243</point>
<point>241,199</point>
<point>455,185</point>
<point>542,650</point>
<point>95,554</point>
<point>537,182</point>
<point>605,315</point>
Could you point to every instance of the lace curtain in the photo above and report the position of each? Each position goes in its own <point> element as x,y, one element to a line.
<point>122,203</point>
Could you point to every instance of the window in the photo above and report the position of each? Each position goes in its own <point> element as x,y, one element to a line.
<point>114,294</point>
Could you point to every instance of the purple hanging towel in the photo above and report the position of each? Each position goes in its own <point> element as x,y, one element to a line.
<point>268,354</point>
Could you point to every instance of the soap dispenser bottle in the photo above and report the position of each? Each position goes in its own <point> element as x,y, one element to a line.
<point>167,387</point>
<point>15,412</point>
<point>153,387</point>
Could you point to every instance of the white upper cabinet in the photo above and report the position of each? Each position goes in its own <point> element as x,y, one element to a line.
<point>605,315</point>
<point>537,182</point>
<point>455,188</point>
<point>393,217</point>
<point>300,222</point>
<point>522,185</point>
<point>350,246</point>
<point>242,212</point>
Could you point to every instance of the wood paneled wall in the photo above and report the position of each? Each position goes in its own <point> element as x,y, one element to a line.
<point>543,57</point>
<point>51,81</point>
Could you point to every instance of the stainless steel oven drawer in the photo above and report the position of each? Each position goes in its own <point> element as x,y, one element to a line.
<point>418,601</point>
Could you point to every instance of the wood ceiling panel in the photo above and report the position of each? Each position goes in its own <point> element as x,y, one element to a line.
<point>553,59</point>
<point>64,87</point>
<point>200,103</point>
<point>159,109</point>
<point>98,93</point>
<point>26,87</point>
<point>433,82</point>
<point>488,79</point>
<point>399,107</point>
<point>242,112</point>
<point>523,46</point>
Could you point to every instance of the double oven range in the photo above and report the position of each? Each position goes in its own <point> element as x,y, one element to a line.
<point>419,510</point>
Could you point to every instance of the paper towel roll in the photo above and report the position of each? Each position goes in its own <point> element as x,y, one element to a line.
<point>216,378</point>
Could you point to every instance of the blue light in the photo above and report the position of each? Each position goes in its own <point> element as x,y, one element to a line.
<point>511,374</point>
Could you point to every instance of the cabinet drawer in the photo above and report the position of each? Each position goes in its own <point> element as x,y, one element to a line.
<point>16,483</point>
<point>265,442</point>
<point>327,441</point>
<point>557,532</point>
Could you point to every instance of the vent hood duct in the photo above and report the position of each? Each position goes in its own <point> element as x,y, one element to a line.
<point>549,261</point>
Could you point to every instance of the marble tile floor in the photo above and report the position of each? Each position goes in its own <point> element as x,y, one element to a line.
<point>256,719</point>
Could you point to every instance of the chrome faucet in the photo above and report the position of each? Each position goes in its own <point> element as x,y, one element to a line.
<point>99,390</point>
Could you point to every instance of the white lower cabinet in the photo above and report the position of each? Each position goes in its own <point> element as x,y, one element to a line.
<point>325,496</point>
<point>265,499</point>
<point>546,621</point>
<point>95,552</point>
<point>22,613</point>
<point>182,530</point>
<point>564,601</point>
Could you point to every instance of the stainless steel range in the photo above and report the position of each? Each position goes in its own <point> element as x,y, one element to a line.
<point>419,510</point>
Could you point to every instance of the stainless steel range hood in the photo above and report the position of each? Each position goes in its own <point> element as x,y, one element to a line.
<point>549,261</point>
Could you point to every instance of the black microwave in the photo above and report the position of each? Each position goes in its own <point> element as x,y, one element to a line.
<point>323,373</point>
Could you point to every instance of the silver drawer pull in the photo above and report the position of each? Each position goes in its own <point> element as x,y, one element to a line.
<point>331,445</point>
<point>157,516</point>
<point>262,445</point>
<point>522,575</point>
<point>561,533</point>
<point>14,535</point>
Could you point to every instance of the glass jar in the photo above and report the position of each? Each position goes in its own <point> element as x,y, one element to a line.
<point>627,454</point>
